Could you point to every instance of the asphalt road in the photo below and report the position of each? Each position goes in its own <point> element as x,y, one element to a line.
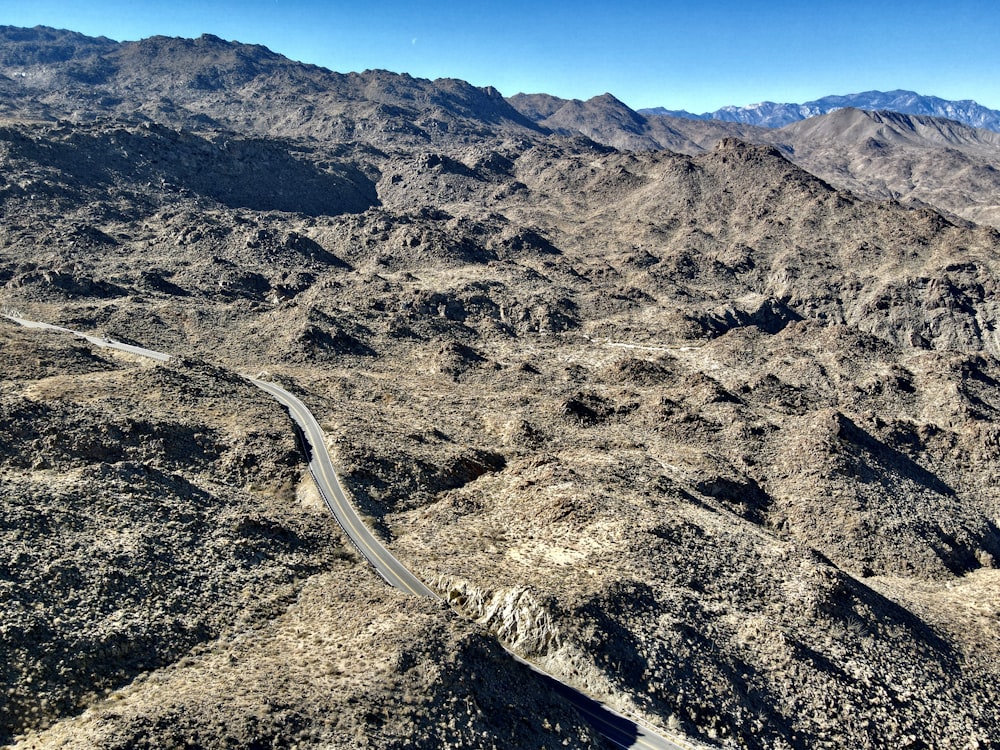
<point>617,729</point>
<point>321,467</point>
<point>95,340</point>
<point>620,731</point>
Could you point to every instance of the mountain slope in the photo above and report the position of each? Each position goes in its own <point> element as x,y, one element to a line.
<point>880,155</point>
<point>210,83</point>
<point>609,121</point>
<point>906,157</point>
<point>705,435</point>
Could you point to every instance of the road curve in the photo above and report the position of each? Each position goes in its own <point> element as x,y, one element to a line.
<point>321,468</point>
<point>614,727</point>
<point>618,729</point>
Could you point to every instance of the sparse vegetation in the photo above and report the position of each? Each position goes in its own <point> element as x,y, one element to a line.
<point>706,436</point>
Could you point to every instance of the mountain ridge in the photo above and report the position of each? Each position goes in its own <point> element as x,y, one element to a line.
<point>879,154</point>
<point>212,83</point>
<point>775,115</point>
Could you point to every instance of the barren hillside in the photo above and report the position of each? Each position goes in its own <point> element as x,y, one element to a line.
<point>880,155</point>
<point>702,434</point>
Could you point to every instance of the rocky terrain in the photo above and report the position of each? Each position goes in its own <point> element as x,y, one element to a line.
<point>910,158</point>
<point>159,536</point>
<point>919,160</point>
<point>696,430</point>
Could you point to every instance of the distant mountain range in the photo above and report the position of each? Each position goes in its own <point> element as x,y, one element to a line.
<point>772,115</point>
<point>941,153</point>
<point>880,154</point>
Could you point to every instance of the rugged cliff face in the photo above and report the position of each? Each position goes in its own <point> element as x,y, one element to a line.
<point>703,435</point>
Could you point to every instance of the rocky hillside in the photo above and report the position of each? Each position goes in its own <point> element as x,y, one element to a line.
<point>610,121</point>
<point>916,159</point>
<point>910,158</point>
<point>702,434</point>
<point>208,83</point>
<point>169,567</point>
<point>607,120</point>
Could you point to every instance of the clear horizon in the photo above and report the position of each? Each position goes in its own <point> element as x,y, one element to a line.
<point>647,55</point>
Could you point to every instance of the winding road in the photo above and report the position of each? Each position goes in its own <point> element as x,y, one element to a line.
<point>95,340</point>
<point>321,468</point>
<point>614,727</point>
<point>617,729</point>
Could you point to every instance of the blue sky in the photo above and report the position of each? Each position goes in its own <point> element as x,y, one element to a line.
<point>689,55</point>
